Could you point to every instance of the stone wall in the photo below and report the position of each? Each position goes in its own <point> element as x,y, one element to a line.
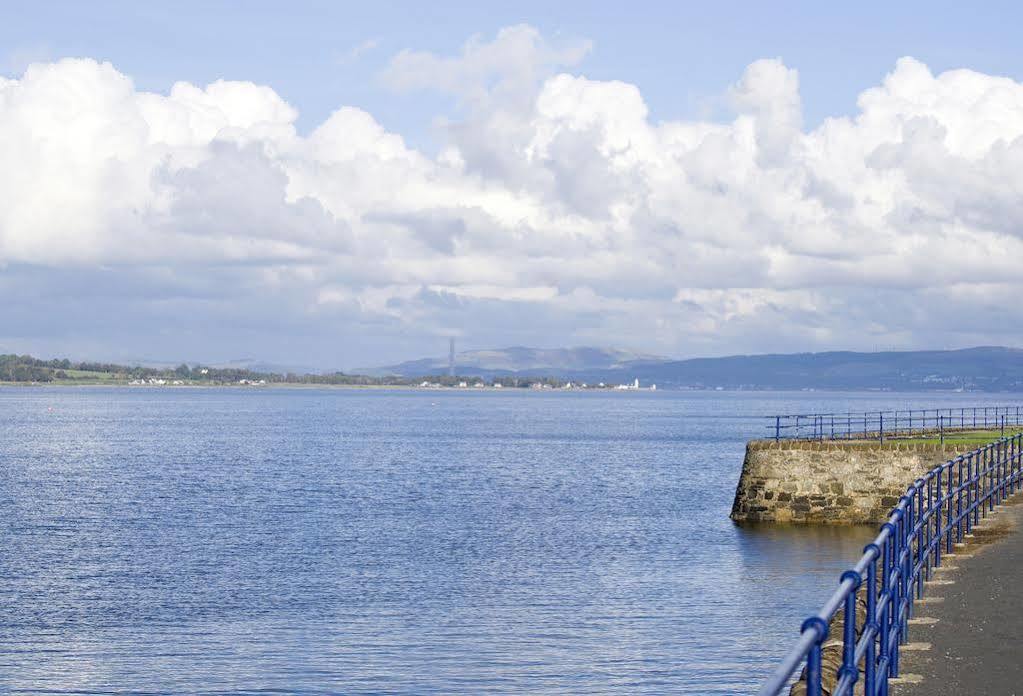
<point>829,482</point>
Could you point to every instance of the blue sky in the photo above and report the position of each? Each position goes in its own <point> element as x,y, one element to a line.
<point>321,55</point>
<point>337,185</point>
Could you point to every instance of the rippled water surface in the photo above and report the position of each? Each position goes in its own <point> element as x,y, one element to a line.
<point>308,541</point>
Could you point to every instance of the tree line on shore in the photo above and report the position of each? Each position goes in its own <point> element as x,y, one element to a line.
<point>27,369</point>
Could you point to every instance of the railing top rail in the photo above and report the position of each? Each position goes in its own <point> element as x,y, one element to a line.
<point>877,424</point>
<point>900,411</point>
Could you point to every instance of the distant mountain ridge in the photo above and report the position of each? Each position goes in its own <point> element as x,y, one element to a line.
<point>985,368</point>
<point>519,359</point>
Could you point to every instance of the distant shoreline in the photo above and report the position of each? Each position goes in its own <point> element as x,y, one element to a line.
<point>487,389</point>
<point>307,385</point>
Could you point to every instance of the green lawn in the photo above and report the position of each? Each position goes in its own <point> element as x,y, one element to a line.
<point>971,437</point>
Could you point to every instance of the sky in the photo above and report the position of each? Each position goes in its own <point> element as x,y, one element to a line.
<point>336,185</point>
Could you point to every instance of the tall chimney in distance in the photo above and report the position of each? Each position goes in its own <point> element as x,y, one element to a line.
<point>451,357</point>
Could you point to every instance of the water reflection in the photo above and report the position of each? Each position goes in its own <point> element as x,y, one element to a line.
<point>769,548</point>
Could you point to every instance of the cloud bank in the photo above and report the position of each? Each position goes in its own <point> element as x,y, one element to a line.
<point>200,223</point>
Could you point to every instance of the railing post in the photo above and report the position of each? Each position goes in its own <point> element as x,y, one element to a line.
<point>973,493</point>
<point>898,619</point>
<point>968,485</point>
<point>1016,463</point>
<point>777,428</point>
<point>991,473</point>
<point>998,497</point>
<point>982,476</point>
<point>936,509</point>
<point>950,518</point>
<point>896,598</point>
<point>959,503</point>
<point>848,667</point>
<point>1003,461</point>
<point>922,536</point>
<point>1010,468</point>
<point>993,498</point>
<point>980,502</point>
<point>813,659</point>
<point>1006,468</point>
<point>1012,464</point>
<point>1000,472</point>
<point>905,581</point>
<point>985,498</point>
<point>885,620</point>
<point>880,427</point>
<point>941,428</point>
<point>870,623</point>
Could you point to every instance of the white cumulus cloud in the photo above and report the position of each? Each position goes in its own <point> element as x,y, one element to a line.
<point>201,222</point>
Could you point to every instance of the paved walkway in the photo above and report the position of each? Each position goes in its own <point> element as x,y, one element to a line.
<point>975,647</point>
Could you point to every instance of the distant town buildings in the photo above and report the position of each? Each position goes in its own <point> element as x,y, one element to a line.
<point>631,387</point>
<point>156,382</point>
<point>539,385</point>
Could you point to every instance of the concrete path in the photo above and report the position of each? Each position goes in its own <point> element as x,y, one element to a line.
<point>967,636</point>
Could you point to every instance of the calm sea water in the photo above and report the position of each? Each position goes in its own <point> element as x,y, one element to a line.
<point>308,541</point>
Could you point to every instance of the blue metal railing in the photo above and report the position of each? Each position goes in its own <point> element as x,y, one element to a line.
<point>877,425</point>
<point>933,515</point>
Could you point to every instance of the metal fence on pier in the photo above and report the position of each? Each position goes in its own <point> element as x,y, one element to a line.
<point>933,515</point>
<point>878,425</point>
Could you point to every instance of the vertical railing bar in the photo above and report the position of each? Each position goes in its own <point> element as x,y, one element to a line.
<point>848,668</point>
<point>870,621</point>
<point>974,495</point>
<point>937,505</point>
<point>923,542</point>
<point>992,454</point>
<point>949,517</point>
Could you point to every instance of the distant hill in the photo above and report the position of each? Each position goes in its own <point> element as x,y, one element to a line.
<point>519,360</point>
<point>971,369</point>
<point>976,369</point>
<point>243,364</point>
<point>253,365</point>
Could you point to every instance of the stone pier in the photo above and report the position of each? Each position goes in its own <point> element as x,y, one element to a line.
<point>830,482</point>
